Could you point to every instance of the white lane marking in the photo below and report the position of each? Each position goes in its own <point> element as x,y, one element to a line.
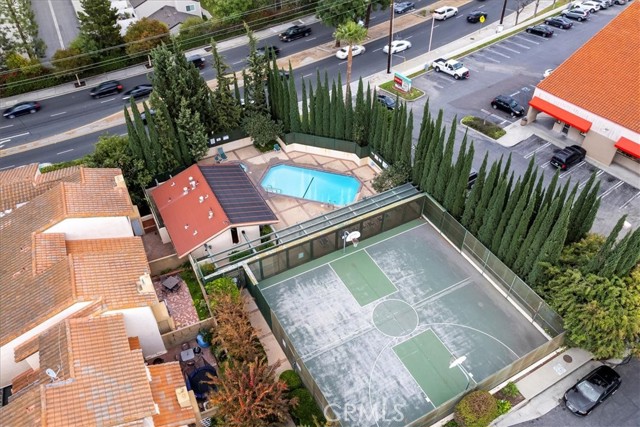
<point>609,191</point>
<point>311,39</point>
<point>499,53</point>
<point>55,25</point>
<point>7,126</point>
<point>545,165</point>
<point>8,167</point>
<point>307,75</point>
<point>58,114</point>
<point>237,62</point>
<point>514,94</point>
<point>108,100</point>
<point>629,201</point>
<point>531,153</point>
<point>124,134</point>
<point>407,38</point>
<point>3,141</point>
<point>342,63</point>
<point>378,49</point>
<point>507,48</point>
<point>65,151</point>
<point>15,136</point>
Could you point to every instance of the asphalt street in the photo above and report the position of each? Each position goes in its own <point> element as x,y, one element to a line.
<point>57,23</point>
<point>620,410</point>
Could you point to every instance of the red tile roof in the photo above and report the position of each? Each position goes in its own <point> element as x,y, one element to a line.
<point>189,210</point>
<point>603,76</point>
<point>165,379</point>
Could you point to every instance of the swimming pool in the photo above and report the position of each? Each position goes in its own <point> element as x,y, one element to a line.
<point>310,184</point>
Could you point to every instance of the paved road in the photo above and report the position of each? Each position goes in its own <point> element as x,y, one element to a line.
<point>57,23</point>
<point>621,410</point>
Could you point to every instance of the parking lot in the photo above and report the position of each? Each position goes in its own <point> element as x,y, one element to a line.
<point>514,66</point>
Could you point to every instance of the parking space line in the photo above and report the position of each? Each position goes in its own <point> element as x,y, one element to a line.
<point>7,126</point>
<point>498,53</point>
<point>487,57</point>
<point>545,165</point>
<point>311,39</point>
<point>583,183</point>
<point>526,39</point>
<point>514,94</point>
<point>609,191</point>
<point>528,155</point>
<point>518,44</point>
<point>108,100</point>
<point>562,175</point>
<point>629,201</point>
<point>507,48</point>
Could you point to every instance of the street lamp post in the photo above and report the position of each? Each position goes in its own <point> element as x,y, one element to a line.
<point>390,38</point>
<point>504,9</point>
<point>433,22</point>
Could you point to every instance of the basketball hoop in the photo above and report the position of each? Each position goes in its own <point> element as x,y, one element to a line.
<point>355,242</point>
<point>350,237</point>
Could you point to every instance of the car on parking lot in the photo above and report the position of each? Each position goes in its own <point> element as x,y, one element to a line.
<point>604,4</point>
<point>387,101</point>
<point>567,157</point>
<point>21,109</point>
<point>268,50</point>
<point>403,7</point>
<point>540,30</point>
<point>577,14</point>
<point>591,6</point>
<point>138,92</point>
<point>397,46</point>
<point>559,21</point>
<point>295,32</point>
<point>620,2</point>
<point>356,50</point>
<point>106,88</point>
<point>592,390</point>
<point>475,16</point>
<point>508,104</point>
<point>444,12</point>
<point>197,61</point>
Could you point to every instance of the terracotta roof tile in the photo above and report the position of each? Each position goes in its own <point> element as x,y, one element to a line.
<point>24,380</point>
<point>603,76</point>
<point>165,379</point>
<point>24,409</point>
<point>49,249</point>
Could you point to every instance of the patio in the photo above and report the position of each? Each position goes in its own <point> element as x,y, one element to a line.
<point>178,301</point>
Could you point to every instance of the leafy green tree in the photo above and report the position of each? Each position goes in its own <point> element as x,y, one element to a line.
<point>359,134</point>
<point>538,239</point>
<point>227,108</point>
<point>395,175</point>
<point>326,108</point>
<point>374,5</point>
<point>348,117</point>
<point>231,11</point>
<point>190,129</point>
<point>294,113</point>
<point>628,255</point>
<point>462,183</point>
<point>598,261</point>
<point>334,13</point>
<point>17,17</point>
<point>426,124</point>
<point>431,146</point>
<point>254,81</point>
<point>98,22</point>
<point>495,209</point>
<point>510,204</point>
<point>174,149</point>
<point>69,59</point>
<point>144,35</point>
<point>195,27</point>
<point>405,155</point>
<point>312,111</point>
<point>514,218</point>
<point>437,142</point>
<point>262,129</point>
<point>350,33</point>
<point>339,111</point>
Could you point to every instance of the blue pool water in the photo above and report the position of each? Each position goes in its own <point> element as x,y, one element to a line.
<point>310,184</point>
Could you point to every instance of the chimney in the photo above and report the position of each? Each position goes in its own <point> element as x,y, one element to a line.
<point>186,226</point>
<point>201,199</point>
<point>210,213</point>
<point>185,190</point>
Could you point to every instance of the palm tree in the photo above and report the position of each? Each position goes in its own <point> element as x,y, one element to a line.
<point>351,33</point>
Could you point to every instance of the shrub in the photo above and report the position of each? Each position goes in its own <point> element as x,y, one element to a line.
<point>223,285</point>
<point>397,174</point>
<point>483,126</point>
<point>476,409</point>
<point>510,390</point>
<point>306,409</point>
<point>207,269</point>
<point>451,423</point>
<point>291,379</point>
<point>504,406</point>
<point>235,255</point>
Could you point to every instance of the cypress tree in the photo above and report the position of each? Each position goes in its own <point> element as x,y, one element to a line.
<point>630,256</point>
<point>507,170</point>
<point>436,159</point>
<point>388,148</point>
<point>168,138</point>
<point>294,113</point>
<point>284,108</point>
<point>319,109</point>
<point>236,89</point>
<point>462,183</point>
<point>452,188</point>
<point>615,256</point>
<point>445,167</point>
<point>312,112</point>
<point>492,214</point>
<point>597,262</point>
<point>348,117</point>
<point>367,115</point>
<point>513,219</point>
<point>474,195</point>
<point>418,161</point>
<point>514,246</point>
<point>223,103</point>
<point>538,194</point>
<point>340,114</point>
<point>375,116</point>
<point>359,118</point>
<point>584,210</point>
<point>381,118</point>
<point>304,123</point>
<point>550,193</point>
<point>148,148</point>
<point>326,111</point>
<point>487,192</point>
<point>529,172</point>
<point>431,147</point>
<point>333,110</point>
<point>533,251</point>
<point>401,126</point>
<point>523,250</point>
<point>511,201</point>
<point>405,155</point>
<point>384,132</point>
<point>133,139</point>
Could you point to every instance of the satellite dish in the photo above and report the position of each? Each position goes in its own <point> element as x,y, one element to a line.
<point>354,235</point>
<point>51,374</point>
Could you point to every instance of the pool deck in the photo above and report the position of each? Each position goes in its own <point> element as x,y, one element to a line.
<point>289,210</point>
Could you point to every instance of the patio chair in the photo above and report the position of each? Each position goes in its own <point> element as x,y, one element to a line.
<point>276,147</point>
<point>217,158</point>
<point>221,153</point>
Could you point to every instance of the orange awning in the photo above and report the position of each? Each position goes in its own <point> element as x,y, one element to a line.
<point>629,147</point>
<point>558,113</point>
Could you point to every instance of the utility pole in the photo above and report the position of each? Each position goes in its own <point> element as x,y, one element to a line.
<point>390,38</point>
<point>504,9</point>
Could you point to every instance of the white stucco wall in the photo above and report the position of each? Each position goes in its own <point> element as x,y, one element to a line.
<point>224,241</point>
<point>93,228</point>
<point>150,7</point>
<point>9,369</point>
<point>140,322</point>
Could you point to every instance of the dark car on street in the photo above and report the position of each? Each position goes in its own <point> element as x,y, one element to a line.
<point>197,61</point>
<point>387,101</point>
<point>540,30</point>
<point>143,115</point>
<point>508,104</point>
<point>268,50</point>
<point>106,88</point>
<point>138,92</point>
<point>475,16</point>
<point>295,32</point>
<point>403,7</point>
<point>559,21</point>
<point>592,390</point>
<point>21,109</point>
<point>567,157</point>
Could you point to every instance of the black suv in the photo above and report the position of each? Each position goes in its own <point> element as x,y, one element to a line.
<point>106,88</point>
<point>295,32</point>
<point>272,51</point>
<point>508,104</point>
<point>197,61</point>
<point>566,157</point>
<point>475,16</point>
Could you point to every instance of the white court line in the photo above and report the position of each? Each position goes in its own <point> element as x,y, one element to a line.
<point>58,114</point>
<point>385,274</point>
<point>528,155</point>
<point>609,191</point>
<point>7,126</point>
<point>443,291</point>
<point>629,201</point>
<point>65,151</point>
<point>493,50</point>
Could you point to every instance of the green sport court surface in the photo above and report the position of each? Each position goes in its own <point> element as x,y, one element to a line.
<point>378,327</point>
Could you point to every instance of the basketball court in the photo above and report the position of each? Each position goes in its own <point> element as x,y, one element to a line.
<point>396,326</point>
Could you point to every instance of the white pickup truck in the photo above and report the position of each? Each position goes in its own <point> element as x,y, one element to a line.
<point>451,67</point>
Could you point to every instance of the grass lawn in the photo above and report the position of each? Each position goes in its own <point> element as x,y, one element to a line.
<point>196,292</point>
<point>483,126</point>
<point>412,95</point>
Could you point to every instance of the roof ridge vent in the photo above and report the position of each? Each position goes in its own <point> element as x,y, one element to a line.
<point>201,199</point>
<point>210,213</point>
<point>185,190</point>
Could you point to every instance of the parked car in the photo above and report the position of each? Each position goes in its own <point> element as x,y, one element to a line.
<point>294,33</point>
<point>604,4</point>
<point>591,6</point>
<point>475,16</point>
<point>567,157</point>
<point>106,88</point>
<point>197,61</point>
<point>444,12</point>
<point>357,50</point>
<point>138,92</point>
<point>592,390</point>
<point>403,7</point>
<point>268,50</point>
<point>620,2</point>
<point>387,101</point>
<point>540,30</point>
<point>21,109</point>
<point>508,104</point>
<point>577,14</point>
<point>559,21</point>
<point>473,177</point>
<point>397,46</point>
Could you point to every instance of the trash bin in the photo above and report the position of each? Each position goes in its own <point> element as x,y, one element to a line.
<point>201,342</point>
